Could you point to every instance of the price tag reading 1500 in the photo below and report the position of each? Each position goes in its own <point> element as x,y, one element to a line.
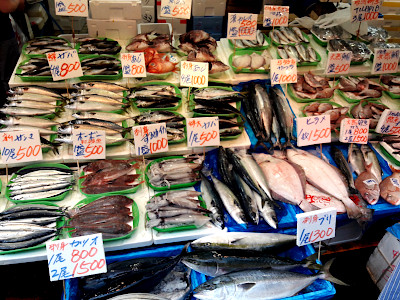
<point>283,71</point>
<point>20,146</point>
<point>313,130</point>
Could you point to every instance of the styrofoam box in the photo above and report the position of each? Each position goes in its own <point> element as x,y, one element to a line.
<point>385,254</point>
<point>148,14</point>
<point>117,30</point>
<point>202,8</point>
<point>116,10</point>
<point>178,25</point>
<point>157,27</point>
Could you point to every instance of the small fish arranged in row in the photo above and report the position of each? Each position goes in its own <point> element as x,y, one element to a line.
<point>253,62</point>
<point>100,85</point>
<point>360,51</point>
<point>28,225</point>
<point>110,175</point>
<point>326,34</point>
<point>310,86</point>
<point>299,52</point>
<point>35,67</point>
<point>160,42</point>
<point>111,216</point>
<point>359,87</point>
<point>155,96</point>
<point>176,208</point>
<point>43,45</point>
<point>40,183</point>
<point>287,35</point>
<point>101,65</point>
<point>90,45</point>
<point>368,110</point>
<point>337,114</point>
<point>392,83</point>
<point>259,42</point>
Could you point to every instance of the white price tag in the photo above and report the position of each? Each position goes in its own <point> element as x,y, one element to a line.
<point>89,144</point>
<point>72,8</point>
<point>203,132</point>
<point>20,146</point>
<point>354,131</point>
<point>395,182</point>
<point>338,62</point>
<point>283,71</point>
<point>194,74</point>
<point>276,15</point>
<point>150,138</point>
<point>133,65</point>
<point>389,122</point>
<point>181,9</point>
<point>313,130</point>
<point>242,26</point>
<point>64,64</point>
<point>365,10</point>
<point>386,61</point>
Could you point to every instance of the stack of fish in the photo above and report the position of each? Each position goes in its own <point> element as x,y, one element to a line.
<point>337,114</point>
<point>25,226</point>
<point>175,209</point>
<point>268,115</point>
<point>309,86</point>
<point>40,183</point>
<point>101,65</point>
<point>110,215</point>
<point>90,45</point>
<point>359,88</point>
<point>360,51</point>
<point>173,171</point>
<point>253,62</point>
<point>155,96</point>
<point>45,44</point>
<point>375,34</point>
<point>35,67</point>
<point>299,52</point>
<point>160,42</point>
<point>288,35</point>
<point>326,34</point>
<point>368,110</point>
<point>108,175</point>
<point>259,42</point>
<point>392,83</point>
<point>158,64</point>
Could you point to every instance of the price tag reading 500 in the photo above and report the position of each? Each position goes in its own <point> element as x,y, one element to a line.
<point>20,146</point>
<point>180,9</point>
<point>77,8</point>
<point>283,71</point>
<point>203,132</point>
<point>89,144</point>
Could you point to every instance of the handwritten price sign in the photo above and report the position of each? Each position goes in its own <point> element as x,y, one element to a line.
<point>283,71</point>
<point>354,131</point>
<point>203,132</point>
<point>89,144</point>
<point>20,146</point>
<point>150,138</point>
<point>194,74</point>
<point>386,61</point>
<point>389,123</point>
<point>133,65</point>
<point>365,10</point>
<point>242,26</point>
<point>276,15</point>
<point>76,257</point>
<point>77,8</point>
<point>181,9</point>
<point>64,64</point>
<point>338,62</point>
<point>316,226</point>
<point>313,130</point>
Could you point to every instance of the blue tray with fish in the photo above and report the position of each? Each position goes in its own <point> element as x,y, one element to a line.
<point>78,46</point>
<point>305,35</point>
<point>27,44</point>
<point>100,77</point>
<point>306,63</point>
<point>292,95</point>
<point>261,70</point>
<point>25,78</point>
<point>266,45</point>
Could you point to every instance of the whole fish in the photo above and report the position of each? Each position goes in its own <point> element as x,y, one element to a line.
<point>264,108</point>
<point>97,98</point>
<point>246,199</point>
<point>40,195</point>
<point>343,166</point>
<point>371,158</point>
<point>322,200</point>
<point>98,122</point>
<point>100,85</point>
<point>28,243</point>
<point>138,296</point>
<point>92,106</point>
<point>356,159</point>
<point>42,131</point>
<point>368,185</point>
<point>27,121</point>
<point>213,201</point>
<point>68,129</point>
<point>390,188</point>
<point>32,104</point>
<point>112,117</point>
<point>34,89</point>
<point>23,111</point>
<point>101,92</point>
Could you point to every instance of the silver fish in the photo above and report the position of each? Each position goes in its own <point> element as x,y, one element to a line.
<point>371,158</point>
<point>92,106</point>
<point>113,117</point>
<point>23,111</point>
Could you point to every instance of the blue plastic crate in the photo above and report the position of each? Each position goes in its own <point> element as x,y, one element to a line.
<point>209,24</point>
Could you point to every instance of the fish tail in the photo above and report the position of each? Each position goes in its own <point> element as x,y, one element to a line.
<point>262,143</point>
<point>325,274</point>
<point>310,262</point>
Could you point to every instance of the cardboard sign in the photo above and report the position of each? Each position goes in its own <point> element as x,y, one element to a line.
<point>338,62</point>
<point>385,61</point>
<point>89,144</point>
<point>181,9</point>
<point>20,146</point>
<point>283,71</point>
<point>315,226</point>
<point>72,8</point>
<point>64,64</point>
<point>194,74</point>
<point>276,15</point>
<point>365,10</point>
<point>76,257</point>
<point>313,130</point>
<point>150,138</point>
<point>389,123</point>
<point>242,26</point>
<point>203,132</point>
<point>354,131</point>
<point>133,65</point>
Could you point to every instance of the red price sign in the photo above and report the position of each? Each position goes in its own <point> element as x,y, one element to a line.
<point>283,71</point>
<point>64,64</point>
<point>276,15</point>
<point>242,26</point>
<point>386,61</point>
<point>354,131</point>
<point>133,65</point>
<point>181,9</point>
<point>389,122</point>
<point>150,138</point>
<point>77,8</point>
<point>89,144</point>
<point>20,146</point>
<point>313,130</point>
<point>76,257</point>
<point>203,132</point>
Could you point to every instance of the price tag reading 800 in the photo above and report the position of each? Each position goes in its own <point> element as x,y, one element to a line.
<point>133,65</point>
<point>77,8</point>
<point>354,131</point>
<point>283,71</point>
<point>276,15</point>
<point>64,64</point>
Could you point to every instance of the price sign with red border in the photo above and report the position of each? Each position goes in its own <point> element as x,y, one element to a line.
<point>20,146</point>
<point>89,144</point>
<point>276,15</point>
<point>181,9</point>
<point>133,65</point>
<point>64,64</point>
<point>354,131</point>
<point>283,71</point>
<point>203,132</point>
<point>242,26</point>
<point>313,130</point>
<point>72,8</point>
<point>386,61</point>
<point>150,138</point>
<point>338,62</point>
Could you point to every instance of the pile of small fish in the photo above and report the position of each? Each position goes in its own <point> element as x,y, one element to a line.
<point>375,34</point>
<point>359,87</point>
<point>42,45</point>
<point>254,61</point>
<point>392,83</point>
<point>159,42</point>
<point>299,52</point>
<point>35,67</point>
<point>288,35</point>
<point>309,86</point>
<point>109,175</point>
<point>360,51</point>
<point>337,114</point>
<point>176,208</point>
<point>158,64</point>
<point>101,65</point>
<point>90,45</point>
<point>326,34</point>
<point>155,96</point>
<point>111,216</point>
<point>368,110</point>
<point>40,183</point>
<point>28,225</point>
<point>259,42</point>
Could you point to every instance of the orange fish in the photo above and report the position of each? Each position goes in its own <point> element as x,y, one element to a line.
<point>149,55</point>
<point>159,65</point>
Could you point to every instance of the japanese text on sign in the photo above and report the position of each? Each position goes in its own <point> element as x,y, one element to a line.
<point>313,130</point>
<point>203,132</point>
<point>276,15</point>
<point>338,62</point>
<point>354,131</point>
<point>365,10</point>
<point>20,146</point>
<point>181,9</point>
<point>89,144</point>
<point>76,257</point>
<point>150,138</point>
<point>77,8</point>
<point>283,71</point>
<point>194,74</point>
<point>385,61</point>
<point>133,65</point>
<point>315,226</point>
<point>64,64</point>
<point>242,26</point>
<point>389,122</point>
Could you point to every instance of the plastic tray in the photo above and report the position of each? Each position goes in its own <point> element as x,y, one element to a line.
<point>237,49</point>
<point>392,95</point>
<point>245,70</point>
<point>42,55</point>
<point>307,63</point>
<point>78,45</point>
<point>319,41</point>
<point>350,100</point>
<point>100,77</point>
<point>18,72</point>
<point>292,44</point>
<point>325,101</point>
<point>302,100</point>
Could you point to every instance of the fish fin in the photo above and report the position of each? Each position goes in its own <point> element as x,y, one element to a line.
<point>328,276</point>
<point>246,286</point>
<point>311,262</point>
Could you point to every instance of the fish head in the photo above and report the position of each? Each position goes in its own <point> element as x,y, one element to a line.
<point>149,54</point>
<point>65,129</point>
<point>393,198</point>
<point>216,289</point>
<point>371,195</point>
